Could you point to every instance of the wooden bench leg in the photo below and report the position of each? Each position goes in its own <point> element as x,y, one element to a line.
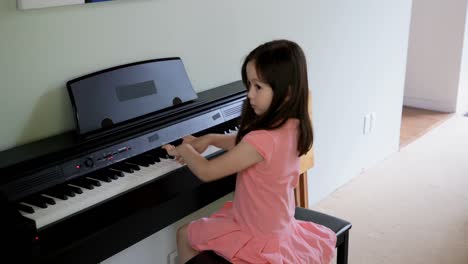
<point>342,254</point>
<point>300,193</point>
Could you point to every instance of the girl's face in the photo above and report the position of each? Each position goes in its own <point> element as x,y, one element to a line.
<point>260,94</point>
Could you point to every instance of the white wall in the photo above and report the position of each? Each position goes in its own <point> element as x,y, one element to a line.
<point>156,248</point>
<point>357,63</point>
<point>435,54</point>
<point>462,99</point>
<point>356,52</point>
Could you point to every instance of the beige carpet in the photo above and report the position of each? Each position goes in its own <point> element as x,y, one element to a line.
<point>413,206</point>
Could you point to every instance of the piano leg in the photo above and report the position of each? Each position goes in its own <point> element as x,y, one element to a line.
<point>18,234</point>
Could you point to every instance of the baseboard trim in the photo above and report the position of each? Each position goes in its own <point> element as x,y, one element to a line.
<point>434,105</point>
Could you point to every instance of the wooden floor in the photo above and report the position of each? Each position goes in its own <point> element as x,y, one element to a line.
<point>416,122</point>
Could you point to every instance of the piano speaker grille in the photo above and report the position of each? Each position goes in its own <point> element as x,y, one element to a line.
<point>233,111</point>
<point>35,182</point>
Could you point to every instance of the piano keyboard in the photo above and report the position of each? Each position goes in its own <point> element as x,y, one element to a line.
<point>82,193</point>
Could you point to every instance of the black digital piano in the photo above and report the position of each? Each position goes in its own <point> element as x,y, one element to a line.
<point>87,194</point>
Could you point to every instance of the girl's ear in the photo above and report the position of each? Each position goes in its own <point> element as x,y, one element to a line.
<point>288,94</point>
<point>287,97</point>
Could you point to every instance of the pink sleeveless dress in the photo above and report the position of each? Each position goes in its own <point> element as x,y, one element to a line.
<point>259,225</point>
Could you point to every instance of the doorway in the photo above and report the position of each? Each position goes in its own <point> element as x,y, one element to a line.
<point>416,122</point>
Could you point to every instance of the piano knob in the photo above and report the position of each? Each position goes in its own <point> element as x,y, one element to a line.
<point>89,162</point>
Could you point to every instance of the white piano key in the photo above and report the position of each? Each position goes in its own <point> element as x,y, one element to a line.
<point>65,208</point>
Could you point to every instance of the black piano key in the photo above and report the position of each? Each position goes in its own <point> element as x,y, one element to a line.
<point>152,158</point>
<point>160,153</point>
<point>57,193</point>
<point>102,177</point>
<point>150,161</point>
<point>48,200</point>
<point>225,128</point>
<point>232,128</point>
<point>36,200</point>
<point>117,173</point>
<point>94,182</point>
<point>133,166</point>
<point>140,161</point>
<point>61,191</point>
<point>104,174</point>
<point>67,190</point>
<point>45,199</point>
<point>177,142</point>
<point>113,176</point>
<point>83,183</point>
<point>110,174</point>
<point>25,208</point>
<point>122,167</point>
<point>217,130</point>
<point>201,133</point>
<point>143,162</point>
<point>75,189</point>
<point>233,125</point>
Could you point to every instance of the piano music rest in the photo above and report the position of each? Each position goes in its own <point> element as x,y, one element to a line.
<point>339,226</point>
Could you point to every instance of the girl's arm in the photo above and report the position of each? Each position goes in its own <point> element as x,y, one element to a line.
<point>226,142</point>
<point>240,157</point>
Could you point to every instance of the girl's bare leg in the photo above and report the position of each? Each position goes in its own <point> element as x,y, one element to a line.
<point>186,252</point>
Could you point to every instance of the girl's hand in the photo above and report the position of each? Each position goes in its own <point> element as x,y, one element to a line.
<point>200,144</point>
<point>173,151</point>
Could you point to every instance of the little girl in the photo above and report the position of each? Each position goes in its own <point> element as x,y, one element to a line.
<point>275,129</point>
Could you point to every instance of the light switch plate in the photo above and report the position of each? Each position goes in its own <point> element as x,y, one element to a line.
<point>366,128</point>
<point>173,258</point>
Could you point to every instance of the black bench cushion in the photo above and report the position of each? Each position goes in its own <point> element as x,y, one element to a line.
<point>338,225</point>
<point>207,257</point>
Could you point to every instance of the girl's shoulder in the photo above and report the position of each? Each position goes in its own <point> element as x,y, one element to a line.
<point>266,135</point>
<point>267,141</point>
<point>290,124</point>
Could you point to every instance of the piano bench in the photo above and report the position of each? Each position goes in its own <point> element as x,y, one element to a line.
<point>339,226</point>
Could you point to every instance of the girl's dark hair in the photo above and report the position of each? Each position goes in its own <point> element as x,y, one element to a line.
<point>281,64</point>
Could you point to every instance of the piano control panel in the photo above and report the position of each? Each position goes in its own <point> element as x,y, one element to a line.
<point>101,157</point>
